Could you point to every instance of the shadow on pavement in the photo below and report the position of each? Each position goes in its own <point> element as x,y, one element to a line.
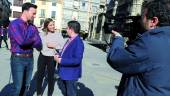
<point>6,90</point>
<point>81,88</point>
<point>32,89</point>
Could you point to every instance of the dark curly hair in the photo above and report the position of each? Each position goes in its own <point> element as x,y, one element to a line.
<point>159,9</point>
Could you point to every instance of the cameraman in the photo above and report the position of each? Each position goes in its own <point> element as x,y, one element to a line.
<point>145,63</point>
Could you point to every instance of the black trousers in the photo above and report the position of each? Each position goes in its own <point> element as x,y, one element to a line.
<point>45,64</point>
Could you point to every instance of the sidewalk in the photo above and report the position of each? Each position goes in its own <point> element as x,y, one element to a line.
<point>98,78</point>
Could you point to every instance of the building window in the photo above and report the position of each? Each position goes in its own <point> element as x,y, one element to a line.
<point>17,2</point>
<point>32,1</point>
<point>42,14</point>
<point>41,22</point>
<point>54,4</point>
<point>83,4</point>
<point>53,13</point>
<point>76,4</point>
<point>16,14</point>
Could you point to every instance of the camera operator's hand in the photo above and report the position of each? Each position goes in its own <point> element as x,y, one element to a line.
<point>116,34</point>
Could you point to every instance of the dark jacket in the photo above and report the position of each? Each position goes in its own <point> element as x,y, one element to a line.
<point>145,64</point>
<point>5,33</point>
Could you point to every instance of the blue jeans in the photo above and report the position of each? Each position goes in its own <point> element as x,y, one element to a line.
<point>70,87</point>
<point>19,66</point>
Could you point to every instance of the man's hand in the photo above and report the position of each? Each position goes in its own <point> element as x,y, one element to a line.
<point>116,34</point>
<point>57,58</point>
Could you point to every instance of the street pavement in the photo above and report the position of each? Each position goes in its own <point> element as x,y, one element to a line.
<point>98,78</point>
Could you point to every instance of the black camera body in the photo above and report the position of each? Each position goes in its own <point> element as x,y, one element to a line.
<point>128,26</point>
<point>119,18</point>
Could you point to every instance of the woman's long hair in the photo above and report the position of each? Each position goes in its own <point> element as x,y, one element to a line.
<point>46,22</point>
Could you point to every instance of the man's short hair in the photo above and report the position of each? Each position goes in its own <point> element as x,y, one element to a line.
<point>159,9</point>
<point>75,25</point>
<point>28,5</point>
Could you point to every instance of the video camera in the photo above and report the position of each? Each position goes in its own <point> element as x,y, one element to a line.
<point>128,26</point>
<point>119,18</point>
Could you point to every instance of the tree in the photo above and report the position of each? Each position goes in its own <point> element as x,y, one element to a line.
<point>5,12</point>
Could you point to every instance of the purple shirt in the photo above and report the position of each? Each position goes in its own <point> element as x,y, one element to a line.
<point>23,37</point>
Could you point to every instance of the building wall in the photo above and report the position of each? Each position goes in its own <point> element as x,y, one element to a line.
<point>80,10</point>
<point>46,6</point>
<point>16,8</point>
<point>65,10</point>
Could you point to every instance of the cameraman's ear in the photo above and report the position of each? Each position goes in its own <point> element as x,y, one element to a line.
<point>154,21</point>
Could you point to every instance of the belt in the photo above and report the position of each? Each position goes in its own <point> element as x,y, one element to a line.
<point>22,55</point>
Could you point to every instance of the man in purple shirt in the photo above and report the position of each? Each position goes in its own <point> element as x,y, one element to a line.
<point>24,36</point>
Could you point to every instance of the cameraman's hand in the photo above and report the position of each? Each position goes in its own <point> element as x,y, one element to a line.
<point>116,34</point>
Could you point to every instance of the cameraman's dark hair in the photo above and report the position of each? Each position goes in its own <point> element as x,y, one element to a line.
<point>27,6</point>
<point>75,25</point>
<point>159,9</point>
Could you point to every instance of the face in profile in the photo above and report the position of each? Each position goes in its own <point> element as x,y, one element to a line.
<point>69,31</point>
<point>144,19</point>
<point>31,13</point>
<point>149,24</point>
<point>51,26</point>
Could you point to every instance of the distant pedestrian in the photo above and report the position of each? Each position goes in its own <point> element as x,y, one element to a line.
<point>52,41</point>
<point>70,59</point>
<point>145,62</point>
<point>85,34</point>
<point>1,35</point>
<point>24,36</point>
<point>5,36</point>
